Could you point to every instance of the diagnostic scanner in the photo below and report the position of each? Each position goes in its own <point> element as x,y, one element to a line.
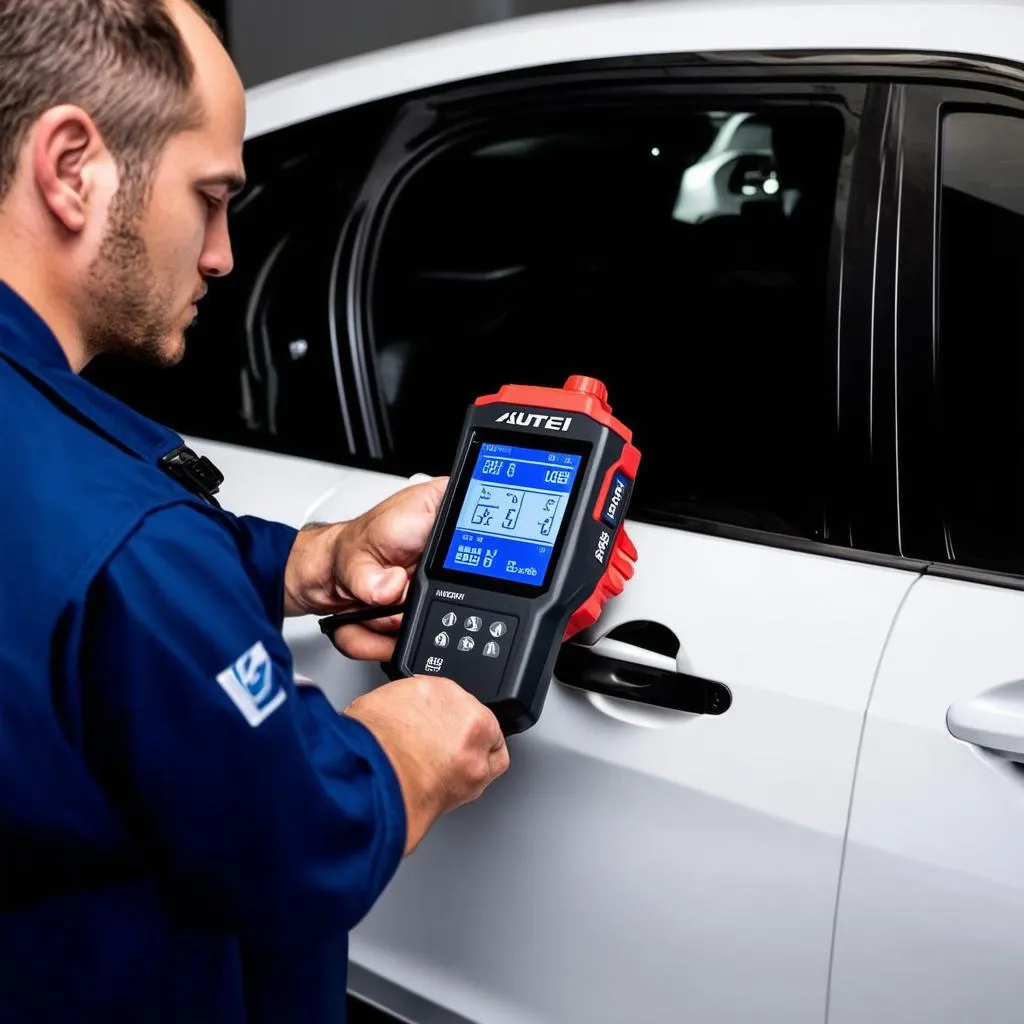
<point>527,547</point>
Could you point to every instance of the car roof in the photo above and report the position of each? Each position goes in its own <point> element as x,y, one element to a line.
<point>985,28</point>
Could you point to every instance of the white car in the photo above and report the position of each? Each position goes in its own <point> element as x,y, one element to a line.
<point>826,379</point>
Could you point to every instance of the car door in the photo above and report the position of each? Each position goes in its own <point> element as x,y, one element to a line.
<point>641,862</point>
<point>931,915</point>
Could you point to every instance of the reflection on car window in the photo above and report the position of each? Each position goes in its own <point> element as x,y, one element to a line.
<point>981,338</point>
<point>681,255</point>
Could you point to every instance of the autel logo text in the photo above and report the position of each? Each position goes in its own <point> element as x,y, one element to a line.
<point>535,419</point>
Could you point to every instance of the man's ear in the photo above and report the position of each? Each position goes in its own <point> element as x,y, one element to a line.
<point>69,159</point>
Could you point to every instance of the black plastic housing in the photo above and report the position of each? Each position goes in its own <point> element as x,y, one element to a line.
<point>533,619</point>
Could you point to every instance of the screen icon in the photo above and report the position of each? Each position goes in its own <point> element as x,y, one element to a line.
<point>441,640</point>
<point>466,643</point>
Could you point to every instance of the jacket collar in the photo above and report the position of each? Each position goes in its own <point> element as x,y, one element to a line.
<point>31,347</point>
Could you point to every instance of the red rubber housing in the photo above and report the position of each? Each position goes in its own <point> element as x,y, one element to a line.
<point>621,566</point>
<point>584,395</point>
<point>587,396</point>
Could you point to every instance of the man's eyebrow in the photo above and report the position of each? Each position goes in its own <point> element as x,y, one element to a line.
<point>234,183</point>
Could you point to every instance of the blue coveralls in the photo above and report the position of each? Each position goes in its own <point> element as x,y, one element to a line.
<point>185,835</point>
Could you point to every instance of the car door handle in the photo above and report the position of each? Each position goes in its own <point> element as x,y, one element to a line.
<point>993,720</point>
<point>621,670</point>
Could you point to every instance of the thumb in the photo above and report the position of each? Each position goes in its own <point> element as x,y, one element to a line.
<point>389,587</point>
<point>373,585</point>
<point>435,489</point>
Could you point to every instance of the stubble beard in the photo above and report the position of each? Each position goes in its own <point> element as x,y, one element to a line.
<point>130,315</point>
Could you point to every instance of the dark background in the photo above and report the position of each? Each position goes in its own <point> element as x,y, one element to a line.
<point>271,38</point>
<point>218,8</point>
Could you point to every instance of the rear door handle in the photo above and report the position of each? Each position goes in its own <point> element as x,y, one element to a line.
<point>617,669</point>
<point>994,720</point>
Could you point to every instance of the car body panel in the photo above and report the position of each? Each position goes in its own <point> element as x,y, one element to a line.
<point>931,912</point>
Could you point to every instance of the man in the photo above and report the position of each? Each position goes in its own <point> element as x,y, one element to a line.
<point>185,835</point>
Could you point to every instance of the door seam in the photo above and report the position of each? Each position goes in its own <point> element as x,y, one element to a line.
<point>853,788</point>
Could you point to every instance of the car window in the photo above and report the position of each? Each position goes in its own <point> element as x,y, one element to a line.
<point>681,255</point>
<point>981,338</point>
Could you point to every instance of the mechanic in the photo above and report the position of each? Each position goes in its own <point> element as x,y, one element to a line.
<point>185,834</point>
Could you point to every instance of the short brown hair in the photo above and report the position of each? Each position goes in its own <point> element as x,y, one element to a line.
<point>123,62</point>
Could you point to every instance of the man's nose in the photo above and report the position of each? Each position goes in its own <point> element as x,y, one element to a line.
<point>217,260</point>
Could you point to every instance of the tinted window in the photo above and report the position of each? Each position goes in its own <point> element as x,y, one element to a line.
<point>981,338</point>
<point>680,255</point>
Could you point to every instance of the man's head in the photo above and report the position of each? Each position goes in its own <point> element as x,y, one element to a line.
<point>121,128</point>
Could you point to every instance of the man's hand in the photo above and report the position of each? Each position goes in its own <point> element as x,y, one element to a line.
<point>445,746</point>
<point>368,561</point>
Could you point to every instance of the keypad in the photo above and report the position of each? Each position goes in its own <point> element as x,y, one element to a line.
<point>469,645</point>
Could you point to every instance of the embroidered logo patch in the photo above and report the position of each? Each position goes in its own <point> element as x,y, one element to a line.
<point>250,683</point>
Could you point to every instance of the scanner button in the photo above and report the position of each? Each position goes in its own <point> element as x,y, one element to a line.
<point>616,500</point>
<point>441,640</point>
<point>466,643</point>
<point>450,619</point>
<point>492,650</point>
<point>498,629</point>
<point>474,624</point>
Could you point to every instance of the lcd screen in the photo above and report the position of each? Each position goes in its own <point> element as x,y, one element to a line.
<point>512,513</point>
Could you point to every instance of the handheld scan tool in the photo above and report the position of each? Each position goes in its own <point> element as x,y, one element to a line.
<point>527,547</point>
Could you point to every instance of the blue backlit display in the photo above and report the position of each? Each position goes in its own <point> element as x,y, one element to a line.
<point>512,513</point>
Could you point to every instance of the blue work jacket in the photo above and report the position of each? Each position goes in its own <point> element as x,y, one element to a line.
<point>185,835</point>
